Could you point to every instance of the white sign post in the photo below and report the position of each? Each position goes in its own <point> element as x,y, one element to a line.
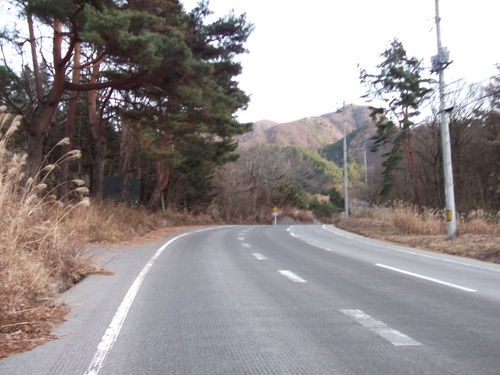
<point>275,214</point>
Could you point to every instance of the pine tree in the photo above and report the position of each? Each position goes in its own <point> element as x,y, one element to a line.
<point>400,85</point>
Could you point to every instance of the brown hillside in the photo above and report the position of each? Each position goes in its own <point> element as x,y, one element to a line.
<point>310,132</point>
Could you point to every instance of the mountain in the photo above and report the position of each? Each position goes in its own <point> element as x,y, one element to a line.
<point>310,132</point>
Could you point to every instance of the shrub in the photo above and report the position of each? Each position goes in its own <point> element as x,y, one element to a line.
<point>321,210</point>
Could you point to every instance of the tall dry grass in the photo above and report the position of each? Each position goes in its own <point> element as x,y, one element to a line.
<point>40,252</point>
<point>411,220</point>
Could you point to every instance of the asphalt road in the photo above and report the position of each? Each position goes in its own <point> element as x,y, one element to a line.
<point>277,300</point>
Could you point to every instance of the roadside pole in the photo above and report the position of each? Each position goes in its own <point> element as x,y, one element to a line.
<point>275,214</point>
<point>439,64</point>
<point>346,186</point>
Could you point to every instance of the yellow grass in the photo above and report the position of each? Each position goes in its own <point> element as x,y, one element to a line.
<point>43,246</point>
<point>409,220</point>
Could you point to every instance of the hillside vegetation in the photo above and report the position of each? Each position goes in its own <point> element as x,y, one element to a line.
<point>268,175</point>
<point>311,132</point>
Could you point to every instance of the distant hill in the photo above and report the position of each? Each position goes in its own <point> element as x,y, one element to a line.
<point>310,132</point>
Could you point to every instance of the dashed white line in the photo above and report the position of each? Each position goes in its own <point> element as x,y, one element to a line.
<point>292,276</point>
<point>427,278</point>
<point>245,245</point>
<point>241,238</point>
<point>259,256</point>
<point>392,335</point>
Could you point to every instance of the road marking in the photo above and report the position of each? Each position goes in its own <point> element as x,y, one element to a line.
<point>380,328</point>
<point>289,230</point>
<point>427,278</point>
<point>292,276</point>
<point>241,238</point>
<point>259,256</point>
<point>113,330</point>
<point>388,246</point>
<point>245,245</point>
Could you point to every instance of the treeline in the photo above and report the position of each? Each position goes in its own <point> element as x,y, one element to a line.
<point>143,88</point>
<point>406,162</point>
<point>475,143</point>
<point>268,175</point>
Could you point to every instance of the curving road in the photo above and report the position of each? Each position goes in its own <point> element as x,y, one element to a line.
<point>278,300</point>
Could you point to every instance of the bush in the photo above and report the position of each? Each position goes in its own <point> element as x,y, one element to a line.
<point>321,210</point>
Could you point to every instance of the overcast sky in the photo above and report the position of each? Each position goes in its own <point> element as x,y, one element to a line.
<point>304,56</point>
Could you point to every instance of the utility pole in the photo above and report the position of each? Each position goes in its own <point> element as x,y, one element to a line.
<point>366,168</point>
<point>439,64</point>
<point>346,193</point>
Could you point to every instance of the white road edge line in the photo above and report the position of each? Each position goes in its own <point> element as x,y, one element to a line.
<point>113,330</point>
<point>427,278</point>
<point>388,246</point>
<point>380,328</point>
<point>292,276</point>
<point>259,256</point>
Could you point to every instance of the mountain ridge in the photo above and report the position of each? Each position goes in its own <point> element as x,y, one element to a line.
<point>309,132</point>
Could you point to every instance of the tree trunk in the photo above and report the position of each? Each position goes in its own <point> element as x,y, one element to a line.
<point>125,156</point>
<point>162,180</point>
<point>413,171</point>
<point>46,106</point>
<point>97,131</point>
<point>162,172</point>
<point>70,126</point>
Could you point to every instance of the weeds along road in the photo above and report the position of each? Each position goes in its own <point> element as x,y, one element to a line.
<point>277,300</point>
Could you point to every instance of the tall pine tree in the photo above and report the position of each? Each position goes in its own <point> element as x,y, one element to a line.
<point>400,85</point>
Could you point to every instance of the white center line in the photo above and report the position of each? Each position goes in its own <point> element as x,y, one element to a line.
<point>292,276</point>
<point>392,335</point>
<point>245,245</point>
<point>259,256</point>
<point>427,278</point>
<point>241,238</point>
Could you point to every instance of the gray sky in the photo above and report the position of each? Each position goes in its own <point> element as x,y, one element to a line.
<point>304,55</point>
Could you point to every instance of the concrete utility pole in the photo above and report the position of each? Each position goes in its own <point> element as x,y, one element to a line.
<point>346,193</point>
<point>366,167</point>
<point>439,64</point>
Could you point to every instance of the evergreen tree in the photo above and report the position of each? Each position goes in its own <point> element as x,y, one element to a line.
<point>401,86</point>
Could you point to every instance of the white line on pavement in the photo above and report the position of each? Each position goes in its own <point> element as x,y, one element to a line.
<point>113,330</point>
<point>245,245</point>
<point>292,276</point>
<point>241,238</point>
<point>426,278</point>
<point>392,335</point>
<point>388,246</point>
<point>259,256</point>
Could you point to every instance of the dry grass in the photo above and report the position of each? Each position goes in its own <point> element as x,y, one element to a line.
<point>41,253</point>
<point>44,242</point>
<point>479,233</point>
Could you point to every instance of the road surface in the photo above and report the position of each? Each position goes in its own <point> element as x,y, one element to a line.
<point>277,300</point>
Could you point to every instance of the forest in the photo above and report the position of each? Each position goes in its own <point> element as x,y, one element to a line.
<point>143,89</point>
<point>406,161</point>
<point>148,93</point>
